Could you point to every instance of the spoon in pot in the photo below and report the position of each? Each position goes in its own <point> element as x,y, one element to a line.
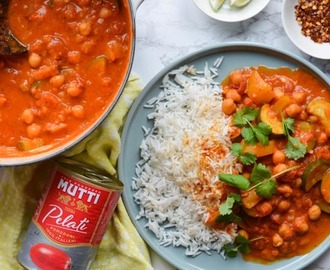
<point>9,44</point>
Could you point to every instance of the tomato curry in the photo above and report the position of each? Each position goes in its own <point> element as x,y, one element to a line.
<point>288,212</point>
<point>79,55</point>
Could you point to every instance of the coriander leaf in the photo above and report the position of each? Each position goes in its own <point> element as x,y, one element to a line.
<point>226,207</point>
<point>288,126</point>
<point>259,173</point>
<point>242,117</point>
<point>234,180</point>
<point>248,158</point>
<point>245,158</point>
<point>294,148</point>
<point>262,131</point>
<point>243,242</point>
<point>267,188</point>
<point>229,218</point>
<point>250,113</point>
<point>249,136</point>
<point>236,149</point>
<point>236,197</point>
<point>230,250</point>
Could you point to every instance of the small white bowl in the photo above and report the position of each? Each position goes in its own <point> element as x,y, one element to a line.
<point>232,14</point>
<point>293,30</point>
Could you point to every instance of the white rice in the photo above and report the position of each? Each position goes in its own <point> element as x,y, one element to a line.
<point>188,124</point>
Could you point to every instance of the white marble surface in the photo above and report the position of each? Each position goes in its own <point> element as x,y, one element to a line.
<point>169,29</point>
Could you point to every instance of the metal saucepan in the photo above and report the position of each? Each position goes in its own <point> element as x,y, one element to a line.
<point>39,156</point>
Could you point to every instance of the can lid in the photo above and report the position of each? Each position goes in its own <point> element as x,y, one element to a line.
<point>89,173</point>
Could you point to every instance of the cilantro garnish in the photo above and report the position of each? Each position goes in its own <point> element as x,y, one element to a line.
<point>261,179</point>
<point>245,158</point>
<point>235,180</point>
<point>252,133</point>
<point>246,115</point>
<point>294,148</point>
<point>226,209</point>
<point>241,244</point>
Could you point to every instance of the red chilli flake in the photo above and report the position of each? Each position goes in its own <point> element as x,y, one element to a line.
<point>314,18</point>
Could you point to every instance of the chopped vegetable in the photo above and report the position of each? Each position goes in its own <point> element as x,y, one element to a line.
<point>325,206</point>
<point>280,105</point>
<point>321,109</point>
<point>268,116</point>
<point>250,199</point>
<point>258,90</point>
<point>29,144</point>
<point>259,150</point>
<point>98,65</point>
<point>325,187</point>
<point>314,173</point>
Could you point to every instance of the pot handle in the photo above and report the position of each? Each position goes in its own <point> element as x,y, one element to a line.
<point>136,4</point>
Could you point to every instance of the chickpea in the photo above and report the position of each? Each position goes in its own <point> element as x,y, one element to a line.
<point>280,167</point>
<point>74,57</point>
<point>27,116</point>
<point>278,157</point>
<point>301,225</point>
<point>228,106</point>
<point>248,101</point>
<point>33,130</point>
<point>293,110</point>
<point>285,231</point>
<point>313,119</point>
<point>278,92</point>
<point>299,97</point>
<point>57,80</point>
<point>232,94</point>
<point>104,13</point>
<point>236,77</point>
<point>264,208</point>
<point>277,240</point>
<point>298,182</point>
<point>284,205</point>
<point>78,111</point>
<point>314,212</point>
<point>322,138</point>
<point>35,60</point>
<point>276,218</point>
<point>74,89</point>
<point>243,233</point>
<point>85,28</point>
<point>285,190</point>
<point>303,115</point>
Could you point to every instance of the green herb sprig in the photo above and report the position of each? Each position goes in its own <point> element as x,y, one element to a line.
<point>261,179</point>
<point>252,133</point>
<point>246,158</point>
<point>241,245</point>
<point>294,148</point>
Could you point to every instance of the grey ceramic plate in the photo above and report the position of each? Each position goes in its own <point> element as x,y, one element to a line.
<point>235,55</point>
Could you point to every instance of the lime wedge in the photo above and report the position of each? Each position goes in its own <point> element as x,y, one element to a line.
<point>216,4</point>
<point>239,3</point>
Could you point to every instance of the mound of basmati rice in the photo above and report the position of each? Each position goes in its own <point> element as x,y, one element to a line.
<point>182,156</point>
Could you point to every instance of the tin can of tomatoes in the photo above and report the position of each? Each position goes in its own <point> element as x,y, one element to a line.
<point>71,218</point>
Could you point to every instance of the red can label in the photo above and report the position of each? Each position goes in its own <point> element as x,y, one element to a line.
<point>73,212</point>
